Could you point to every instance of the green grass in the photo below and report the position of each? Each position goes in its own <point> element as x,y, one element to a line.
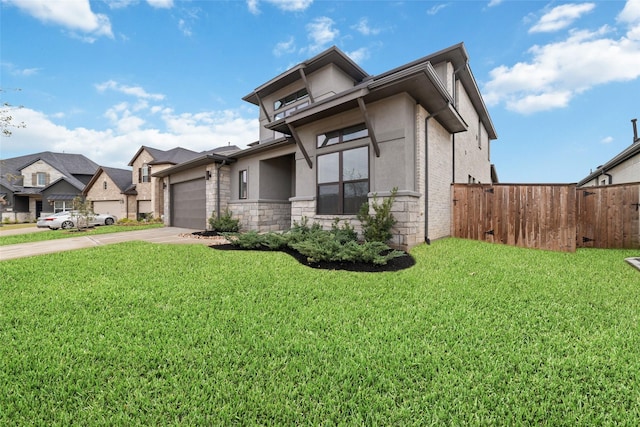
<point>473,334</point>
<point>40,236</point>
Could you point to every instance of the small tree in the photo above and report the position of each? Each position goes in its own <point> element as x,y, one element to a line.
<point>224,224</point>
<point>377,227</point>
<point>83,214</point>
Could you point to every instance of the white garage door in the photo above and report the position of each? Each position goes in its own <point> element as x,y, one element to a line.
<point>112,207</point>
<point>188,204</point>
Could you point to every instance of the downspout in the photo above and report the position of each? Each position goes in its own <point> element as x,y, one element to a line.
<point>224,162</point>
<point>426,179</point>
<point>609,176</point>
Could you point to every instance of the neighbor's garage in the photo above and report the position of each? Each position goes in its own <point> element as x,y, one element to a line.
<point>188,204</point>
<point>112,207</point>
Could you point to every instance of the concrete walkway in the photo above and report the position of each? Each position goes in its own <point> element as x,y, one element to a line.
<point>154,235</point>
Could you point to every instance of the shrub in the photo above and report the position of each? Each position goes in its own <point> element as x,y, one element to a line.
<point>224,224</point>
<point>377,227</point>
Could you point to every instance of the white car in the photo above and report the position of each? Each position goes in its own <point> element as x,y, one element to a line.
<point>69,219</point>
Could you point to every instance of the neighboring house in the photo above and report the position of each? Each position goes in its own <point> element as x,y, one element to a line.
<point>110,192</point>
<point>134,193</point>
<point>332,137</point>
<point>42,182</point>
<point>622,169</point>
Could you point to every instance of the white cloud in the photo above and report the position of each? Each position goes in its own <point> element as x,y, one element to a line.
<point>321,33</point>
<point>136,91</point>
<point>75,15</point>
<point>561,17</point>
<point>285,5</point>
<point>23,72</point>
<point>493,3</point>
<point>607,140</point>
<point>161,4</point>
<point>115,146</point>
<point>359,55</point>
<point>288,46</point>
<point>630,15</point>
<point>365,29</point>
<point>437,8</point>
<point>559,71</point>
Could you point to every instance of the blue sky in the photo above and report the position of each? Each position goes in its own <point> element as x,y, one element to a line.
<point>561,79</point>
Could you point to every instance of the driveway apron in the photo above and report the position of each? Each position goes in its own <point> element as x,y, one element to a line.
<point>154,235</point>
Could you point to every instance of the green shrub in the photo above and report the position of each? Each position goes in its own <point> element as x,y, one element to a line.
<point>340,244</point>
<point>224,224</point>
<point>377,227</point>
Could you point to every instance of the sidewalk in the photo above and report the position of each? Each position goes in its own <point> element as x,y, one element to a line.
<point>154,235</point>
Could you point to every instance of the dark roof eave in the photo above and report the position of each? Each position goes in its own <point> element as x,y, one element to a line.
<point>199,161</point>
<point>629,152</point>
<point>276,143</point>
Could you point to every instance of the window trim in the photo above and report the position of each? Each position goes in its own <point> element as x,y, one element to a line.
<point>341,182</point>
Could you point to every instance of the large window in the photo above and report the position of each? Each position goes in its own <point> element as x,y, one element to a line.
<point>243,184</point>
<point>342,135</point>
<point>343,181</point>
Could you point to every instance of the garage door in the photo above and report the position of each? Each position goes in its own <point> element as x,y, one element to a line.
<point>112,207</point>
<point>188,204</point>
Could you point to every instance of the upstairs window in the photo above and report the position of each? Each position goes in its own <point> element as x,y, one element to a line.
<point>342,135</point>
<point>41,179</point>
<point>290,99</point>
<point>144,173</point>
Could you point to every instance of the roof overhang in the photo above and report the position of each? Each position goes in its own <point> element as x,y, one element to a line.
<point>199,161</point>
<point>419,81</point>
<point>332,55</point>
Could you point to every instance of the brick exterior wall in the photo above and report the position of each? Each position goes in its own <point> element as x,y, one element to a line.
<point>40,166</point>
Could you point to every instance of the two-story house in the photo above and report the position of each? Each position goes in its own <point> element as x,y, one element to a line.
<point>332,137</point>
<point>42,183</point>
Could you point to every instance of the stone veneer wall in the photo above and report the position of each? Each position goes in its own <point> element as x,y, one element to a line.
<point>263,215</point>
<point>407,210</point>
<point>212,187</point>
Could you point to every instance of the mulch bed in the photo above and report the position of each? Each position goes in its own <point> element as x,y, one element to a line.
<point>396,264</point>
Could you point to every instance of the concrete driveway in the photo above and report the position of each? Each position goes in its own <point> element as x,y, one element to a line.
<point>154,235</point>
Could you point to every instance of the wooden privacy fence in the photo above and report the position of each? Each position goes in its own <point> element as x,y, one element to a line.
<point>558,217</point>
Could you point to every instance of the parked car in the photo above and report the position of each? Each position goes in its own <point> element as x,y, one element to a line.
<point>44,220</point>
<point>69,219</point>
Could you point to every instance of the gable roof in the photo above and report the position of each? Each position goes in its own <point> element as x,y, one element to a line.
<point>67,164</point>
<point>174,156</point>
<point>120,177</point>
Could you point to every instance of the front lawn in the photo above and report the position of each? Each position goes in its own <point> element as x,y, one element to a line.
<point>40,236</point>
<point>146,334</point>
